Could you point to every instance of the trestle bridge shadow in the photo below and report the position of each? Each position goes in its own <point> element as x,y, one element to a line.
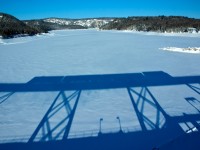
<point>162,130</point>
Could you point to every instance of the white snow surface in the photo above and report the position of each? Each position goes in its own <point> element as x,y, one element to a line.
<point>90,52</point>
<point>195,50</point>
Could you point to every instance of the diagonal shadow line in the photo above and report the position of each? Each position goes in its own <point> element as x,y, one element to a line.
<point>55,111</point>
<point>149,122</point>
<point>186,123</point>
<point>51,131</point>
<point>193,106</point>
<point>193,88</point>
<point>63,103</point>
<point>170,122</point>
<point>65,136</point>
<point>43,120</point>
<point>192,100</point>
<point>59,134</point>
<point>158,112</point>
<point>142,107</point>
<point>196,124</point>
<point>146,119</point>
<point>67,105</point>
<point>43,131</point>
<point>198,101</point>
<point>59,124</point>
<point>5,97</point>
<point>69,99</point>
<point>150,98</point>
<point>141,96</point>
<point>140,118</point>
<point>158,118</point>
<point>143,102</point>
<point>138,100</point>
<point>157,104</point>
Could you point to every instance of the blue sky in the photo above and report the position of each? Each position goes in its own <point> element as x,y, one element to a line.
<point>32,9</point>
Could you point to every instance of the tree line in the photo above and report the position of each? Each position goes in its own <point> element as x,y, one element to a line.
<point>159,23</point>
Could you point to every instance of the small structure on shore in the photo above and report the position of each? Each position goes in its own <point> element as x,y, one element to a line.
<point>192,30</point>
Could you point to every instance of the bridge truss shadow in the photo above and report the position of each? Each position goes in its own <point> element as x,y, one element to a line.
<point>45,131</point>
<point>155,131</point>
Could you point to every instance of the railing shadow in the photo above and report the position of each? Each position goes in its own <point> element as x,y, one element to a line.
<point>55,136</point>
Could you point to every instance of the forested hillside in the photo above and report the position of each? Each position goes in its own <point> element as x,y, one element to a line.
<point>158,24</point>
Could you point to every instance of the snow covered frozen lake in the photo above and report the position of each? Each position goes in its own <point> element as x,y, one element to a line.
<point>91,52</point>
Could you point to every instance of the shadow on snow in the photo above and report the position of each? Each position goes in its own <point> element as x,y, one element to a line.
<point>162,129</point>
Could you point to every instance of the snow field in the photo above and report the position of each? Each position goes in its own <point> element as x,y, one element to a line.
<point>90,52</point>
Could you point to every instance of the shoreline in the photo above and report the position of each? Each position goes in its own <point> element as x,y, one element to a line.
<point>183,34</point>
<point>191,50</point>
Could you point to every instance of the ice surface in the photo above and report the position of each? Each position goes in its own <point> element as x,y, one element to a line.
<point>85,52</point>
<point>78,52</point>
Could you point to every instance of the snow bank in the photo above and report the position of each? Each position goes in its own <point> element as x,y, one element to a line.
<point>170,34</point>
<point>25,38</point>
<point>194,50</point>
<point>1,41</point>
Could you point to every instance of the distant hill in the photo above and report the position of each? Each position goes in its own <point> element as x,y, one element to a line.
<point>11,26</point>
<point>158,24</point>
<point>63,23</point>
<point>47,26</point>
<point>86,22</point>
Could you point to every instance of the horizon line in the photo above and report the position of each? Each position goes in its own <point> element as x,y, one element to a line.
<point>96,17</point>
<point>109,17</point>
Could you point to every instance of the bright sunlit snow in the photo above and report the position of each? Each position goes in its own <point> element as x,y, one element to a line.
<point>90,52</point>
<point>195,50</point>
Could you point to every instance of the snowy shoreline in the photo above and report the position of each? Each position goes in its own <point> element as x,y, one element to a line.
<point>193,50</point>
<point>179,34</point>
<point>187,34</point>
